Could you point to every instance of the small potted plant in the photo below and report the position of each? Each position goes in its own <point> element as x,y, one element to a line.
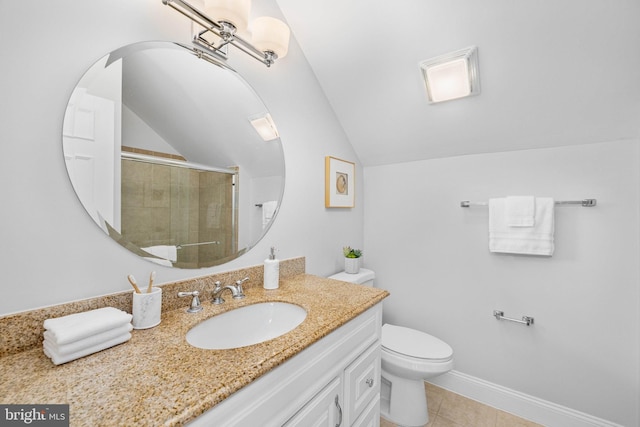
<point>351,259</point>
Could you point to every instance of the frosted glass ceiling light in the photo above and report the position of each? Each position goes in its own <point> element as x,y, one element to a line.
<point>452,76</point>
<point>225,23</point>
<point>265,127</point>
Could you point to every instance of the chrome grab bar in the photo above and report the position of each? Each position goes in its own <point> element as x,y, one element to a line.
<point>526,320</point>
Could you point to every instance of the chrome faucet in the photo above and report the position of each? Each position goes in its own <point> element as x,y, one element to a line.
<point>236,291</point>
<point>195,305</point>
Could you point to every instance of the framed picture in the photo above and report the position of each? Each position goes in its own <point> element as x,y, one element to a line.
<point>339,188</point>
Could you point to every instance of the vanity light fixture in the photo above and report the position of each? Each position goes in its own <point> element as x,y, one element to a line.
<point>265,127</point>
<point>225,22</point>
<point>452,76</point>
<point>271,35</point>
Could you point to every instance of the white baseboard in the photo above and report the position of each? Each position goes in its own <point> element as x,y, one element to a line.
<point>528,407</point>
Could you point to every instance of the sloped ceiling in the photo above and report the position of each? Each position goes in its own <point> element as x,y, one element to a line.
<point>552,72</point>
<point>204,117</point>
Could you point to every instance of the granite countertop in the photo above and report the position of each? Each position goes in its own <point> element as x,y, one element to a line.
<point>157,378</point>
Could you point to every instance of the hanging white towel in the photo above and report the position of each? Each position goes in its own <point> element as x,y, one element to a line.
<point>268,210</point>
<point>74,327</point>
<point>520,211</point>
<point>535,240</point>
<point>59,359</point>
<point>160,261</point>
<point>163,251</point>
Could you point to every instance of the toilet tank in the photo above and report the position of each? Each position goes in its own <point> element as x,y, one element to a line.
<point>363,277</point>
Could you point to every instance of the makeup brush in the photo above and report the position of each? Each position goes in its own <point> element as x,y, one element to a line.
<point>132,280</point>
<point>151,279</point>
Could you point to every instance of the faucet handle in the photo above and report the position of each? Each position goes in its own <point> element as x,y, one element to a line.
<point>195,305</point>
<point>239,283</point>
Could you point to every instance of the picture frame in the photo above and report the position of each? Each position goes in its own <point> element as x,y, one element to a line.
<point>339,188</point>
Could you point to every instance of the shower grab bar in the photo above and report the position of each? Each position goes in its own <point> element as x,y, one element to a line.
<point>215,242</point>
<point>587,203</point>
<point>526,320</point>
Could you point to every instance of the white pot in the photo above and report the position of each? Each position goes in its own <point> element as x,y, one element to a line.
<point>352,265</point>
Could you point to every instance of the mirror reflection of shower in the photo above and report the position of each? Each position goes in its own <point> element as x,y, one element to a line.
<point>178,212</point>
<point>159,100</point>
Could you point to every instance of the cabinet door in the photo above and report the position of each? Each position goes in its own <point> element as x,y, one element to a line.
<point>370,417</point>
<point>324,410</point>
<point>362,382</point>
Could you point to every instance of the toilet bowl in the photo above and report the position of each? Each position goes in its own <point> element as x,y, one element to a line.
<point>408,358</point>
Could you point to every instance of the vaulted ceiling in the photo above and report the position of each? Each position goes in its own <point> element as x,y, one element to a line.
<point>552,72</point>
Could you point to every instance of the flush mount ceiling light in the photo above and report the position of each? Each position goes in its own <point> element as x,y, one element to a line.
<point>265,127</point>
<point>452,76</point>
<point>224,20</point>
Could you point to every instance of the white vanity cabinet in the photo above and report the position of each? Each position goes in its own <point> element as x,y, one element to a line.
<point>362,388</point>
<point>334,382</point>
<point>323,410</point>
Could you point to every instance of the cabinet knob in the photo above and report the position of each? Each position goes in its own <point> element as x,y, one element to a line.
<point>369,382</point>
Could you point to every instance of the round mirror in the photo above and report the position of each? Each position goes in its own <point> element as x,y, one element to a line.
<point>173,155</point>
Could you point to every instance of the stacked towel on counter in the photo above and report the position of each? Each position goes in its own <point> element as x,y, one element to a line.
<point>509,229</point>
<point>71,337</point>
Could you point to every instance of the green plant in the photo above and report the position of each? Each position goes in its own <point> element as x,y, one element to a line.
<point>351,253</point>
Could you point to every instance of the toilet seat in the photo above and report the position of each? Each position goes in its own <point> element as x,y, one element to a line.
<point>408,342</point>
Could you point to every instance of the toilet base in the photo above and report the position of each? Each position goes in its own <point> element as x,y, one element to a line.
<point>407,401</point>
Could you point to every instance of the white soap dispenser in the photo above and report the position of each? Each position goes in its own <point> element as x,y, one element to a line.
<point>271,271</point>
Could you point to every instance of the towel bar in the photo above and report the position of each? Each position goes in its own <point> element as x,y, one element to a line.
<point>587,203</point>
<point>184,245</point>
<point>526,320</point>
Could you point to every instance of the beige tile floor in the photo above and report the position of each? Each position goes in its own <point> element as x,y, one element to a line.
<point>447,409</point>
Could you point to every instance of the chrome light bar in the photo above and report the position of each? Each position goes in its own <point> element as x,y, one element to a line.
<point>225,31</point>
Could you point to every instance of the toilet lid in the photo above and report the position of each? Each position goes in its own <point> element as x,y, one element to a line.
<point>412,343</point>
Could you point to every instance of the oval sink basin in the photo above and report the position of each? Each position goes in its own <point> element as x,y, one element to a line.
<point>248,325</point>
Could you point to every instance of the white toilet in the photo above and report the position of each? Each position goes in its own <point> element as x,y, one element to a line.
<point>408,358</point>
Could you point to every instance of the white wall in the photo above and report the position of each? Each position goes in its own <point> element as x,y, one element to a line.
<point>51,251</point>
<point>432,255</point>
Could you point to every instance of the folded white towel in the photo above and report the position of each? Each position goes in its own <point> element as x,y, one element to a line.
<point>72,347</point>
<point>536,240</point>
<point>520,211</point>
<point>268,210</point>
<point>74,327</point>
<point>59,359</point>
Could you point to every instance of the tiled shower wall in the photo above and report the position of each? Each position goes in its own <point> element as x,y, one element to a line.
<point>166,205</point>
